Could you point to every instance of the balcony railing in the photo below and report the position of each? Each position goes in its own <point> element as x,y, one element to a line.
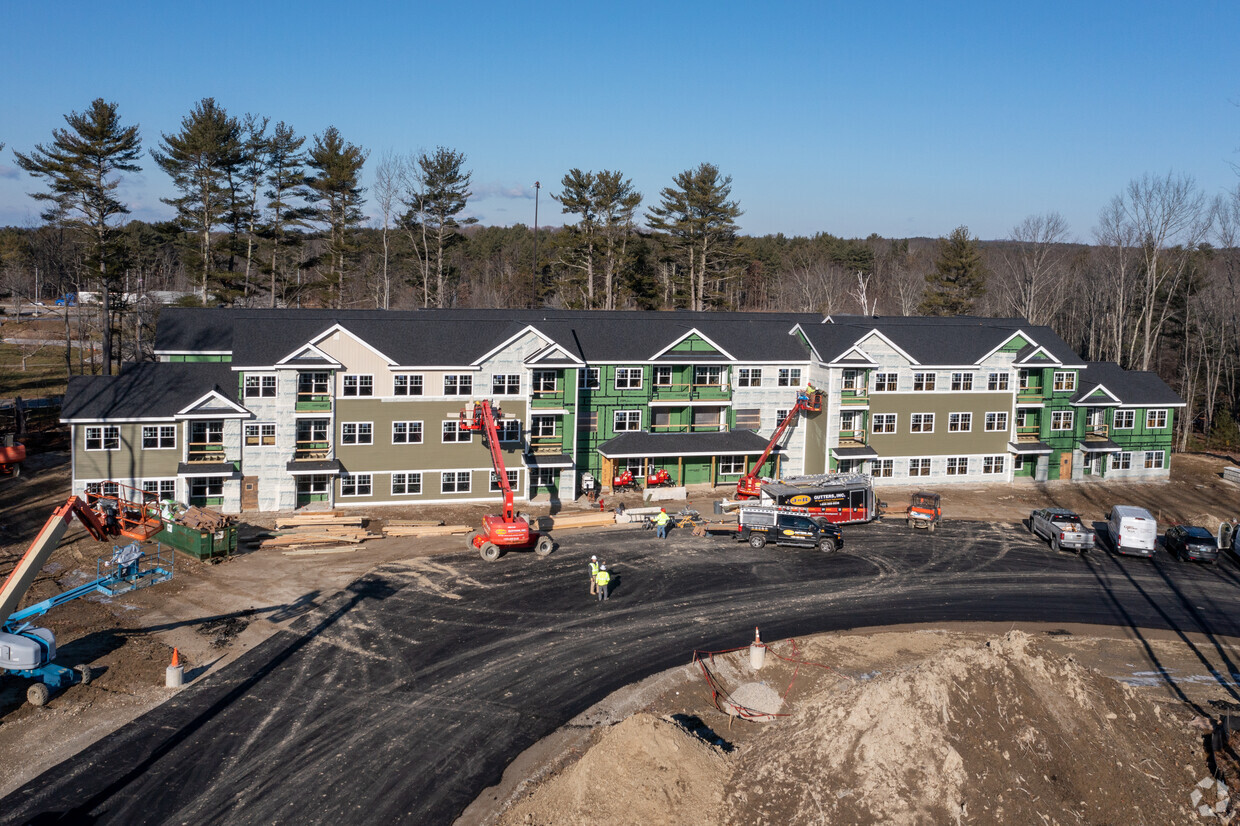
<point>1028,433</point>
<point>1029,395</point>
<point>852,438</point>
<point>689,392</point>
<point>205,452</point>
<point>850,397</point>
<point>543,445</point>
<point>313,402</point>
<point>688,428</point>
<point>311,449</point>
<point>1097,432</point>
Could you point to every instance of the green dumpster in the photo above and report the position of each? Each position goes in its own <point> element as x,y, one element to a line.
<point>200,544</point>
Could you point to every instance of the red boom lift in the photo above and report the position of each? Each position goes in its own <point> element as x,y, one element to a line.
<point>509,530</point>
<point>809,401</point>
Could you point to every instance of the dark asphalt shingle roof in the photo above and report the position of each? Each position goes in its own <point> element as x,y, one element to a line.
<point>956,340</point>
<point>721,443</point>
<point>147,390</point>
<point>1131,387</point>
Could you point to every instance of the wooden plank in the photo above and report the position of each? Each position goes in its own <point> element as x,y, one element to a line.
<point>317,523</point>
<point>440,530</point>
<point>318,551</point>
<point>413,523</point>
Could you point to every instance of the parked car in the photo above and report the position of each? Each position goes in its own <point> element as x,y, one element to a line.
<point>758,526</point>
<point>1062,528</point>
<point>1191,542</point>
<point>67,300</point>
<point>1133,530</point>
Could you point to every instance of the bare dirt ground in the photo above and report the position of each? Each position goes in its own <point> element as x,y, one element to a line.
<point>962,724</point>
<point>214,612</point>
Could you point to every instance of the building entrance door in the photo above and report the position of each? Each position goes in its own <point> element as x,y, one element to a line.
<point>1065,465</point>
<point>249,493</point>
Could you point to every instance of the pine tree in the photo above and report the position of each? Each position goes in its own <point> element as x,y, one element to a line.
<point>701,221</point>
<point>81,166</point>
<point>436,194</point>
<point>200,159</point>
<point>337,193</point>
<point>286,181</point>
<point>959,276</point>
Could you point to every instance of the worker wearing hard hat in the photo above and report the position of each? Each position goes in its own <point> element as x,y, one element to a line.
<point>603,579</point>
<point>660,523</point>
<point>593,575</point>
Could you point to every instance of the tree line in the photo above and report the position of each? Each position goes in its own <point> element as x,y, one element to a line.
<point>265,216</point>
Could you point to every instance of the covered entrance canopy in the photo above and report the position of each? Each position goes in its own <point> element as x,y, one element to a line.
<point>699,452</point>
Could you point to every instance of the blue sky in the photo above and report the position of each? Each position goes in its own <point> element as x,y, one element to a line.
<point>899,118</point>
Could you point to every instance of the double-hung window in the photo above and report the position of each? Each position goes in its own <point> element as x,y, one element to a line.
<point>662,376</point>
<point>918,467</point>
<point>159,437</point>
<point>962,381</point>
<point>882,468</point>
<point>260,387</point>
<point>1064,381</point>
<point>884,422</point>
<point>544,381</point>
<point>1062,419</point>
<point>591,379</point>
<point>959,422</point>
<point>708,376</point>
<point>542,427</point>
<point>993,464</point>
<point>359,385</point>
<point>749,377</point>
<point>356,484</point>
<point>1154,459</point>
<point>1121,460</point>
<point>957,465</point>
<point>789,377</point>
<point>407,384</point>
<point>357,433</point>
<point>509,430</point>
<point>628,378</point>
<point>452,432</point>
<point>997,381</point>
<point>884,382</point>
<point>731,465</point>
<point>406,433</point>
<point>1155,420</point>
<point>163,488</point>
<point>997,422</point>
<point>458,384</point>
<point>1125,419</point>
<point>921,423</point>
<point>623,420</point>
<point>512,481</point>
<point>923,381</point>
<point>107,437</point>
<point>260,434</point>
<point>406,483</point>
<point>509,384</point>
<point>454,481</point>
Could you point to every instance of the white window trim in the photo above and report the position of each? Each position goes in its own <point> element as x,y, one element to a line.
<point>615,414</point>
<point>959,378</point>
<point>407,422</point>
<point>514,481</point>
<point>469,483</point>
<point>998,465</point>
<point>1004,378</point>
<point>745,377</point>
<point>262,379</point>
<point>159,436</point>
<point>933,382</point>
<point>923,429</point>
<point>504,425</point>
<point>1162,459</point>
<point>964,416</point>
<point>628,371</point>
<point>456,391</point>
<point>1129,415</point>
<point>921,460</point>
<point>408,383</point>
<point>996,413</point>
<point>103,438</point>
<point>458,441</point>
<point>357,434</point>
<point>1069,381</point>
<point>1070,414</point>
<point>895,418</point>
<point>788,377</point>
<point>370,482</point>
<point>1154,412</point>
<point>961,469</point>
<point>506,391</point>
<point>597,384</point>
<point>357,385</point>
<point>877,382</point>
<point>408,475</point>
<point>1125,456</point>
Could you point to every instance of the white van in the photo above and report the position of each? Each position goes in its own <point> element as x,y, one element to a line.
<point>1133,530</point>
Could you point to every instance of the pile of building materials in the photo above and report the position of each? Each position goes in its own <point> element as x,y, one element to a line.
<point>322,532</point>
<point>203,519</point>
<point>570,521</point>
<point>422,527</point>
<point>1232,474</point>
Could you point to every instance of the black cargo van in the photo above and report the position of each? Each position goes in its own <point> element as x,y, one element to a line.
<point>758,526</point>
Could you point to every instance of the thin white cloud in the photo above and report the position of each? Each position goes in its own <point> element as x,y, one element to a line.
<point>497,190</point>
<point>10,172</point>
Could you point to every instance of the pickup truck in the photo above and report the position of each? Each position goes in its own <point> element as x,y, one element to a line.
<point>1063,528</point>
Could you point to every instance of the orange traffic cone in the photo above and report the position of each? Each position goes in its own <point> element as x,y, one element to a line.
<point>176,658</point>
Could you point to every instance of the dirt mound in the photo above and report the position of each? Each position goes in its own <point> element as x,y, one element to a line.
<point>1003,732</point>
<point>643,770</point>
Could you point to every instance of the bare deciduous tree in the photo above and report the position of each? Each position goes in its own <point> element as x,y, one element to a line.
<point>1031,273</point>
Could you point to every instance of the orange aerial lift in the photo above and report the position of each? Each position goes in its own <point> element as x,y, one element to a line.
<point>509,530</point>
<point>28,651</point>
<point>808,400</point>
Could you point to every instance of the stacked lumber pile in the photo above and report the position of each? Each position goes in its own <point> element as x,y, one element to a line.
<point>1231,474</point>
<point>569,521</point>
<point>422,527</point>
<point>320,531</point>
<point>203,519</point>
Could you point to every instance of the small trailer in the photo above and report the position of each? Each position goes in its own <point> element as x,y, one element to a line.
<point>842,498</point>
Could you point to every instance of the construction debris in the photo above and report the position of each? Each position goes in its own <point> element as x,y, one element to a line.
<point>412,523</point>
<point>318,530</point>
<point>203,519</point>
<point>570,521</point>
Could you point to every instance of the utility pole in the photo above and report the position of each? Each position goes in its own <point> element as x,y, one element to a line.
<point>534,279</point>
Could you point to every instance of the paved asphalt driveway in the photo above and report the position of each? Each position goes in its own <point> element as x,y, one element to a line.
<point>405,695</point>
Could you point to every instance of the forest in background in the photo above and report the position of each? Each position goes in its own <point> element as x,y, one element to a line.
<point>265,217</point>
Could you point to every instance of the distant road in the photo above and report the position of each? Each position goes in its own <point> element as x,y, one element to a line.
<point>404,696</point>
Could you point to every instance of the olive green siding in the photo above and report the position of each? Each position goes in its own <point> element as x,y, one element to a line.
<point>383,455</point>
<point>815,425</point>
<point>941,442</point>
<point>130,461</point>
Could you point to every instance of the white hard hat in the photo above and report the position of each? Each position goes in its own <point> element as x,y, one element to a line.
<point>603,567</point>
<point>593,557</point>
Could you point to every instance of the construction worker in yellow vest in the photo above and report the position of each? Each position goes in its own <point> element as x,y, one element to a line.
<point>593,575</point>
<point>602,579</point>
<point>660,523</point>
